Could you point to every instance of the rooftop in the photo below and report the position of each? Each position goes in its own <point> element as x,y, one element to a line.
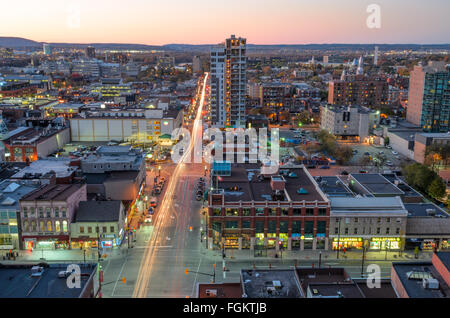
<point>375,183</point>
<point>245,184</point>
<point>61,166</point>
<point>53,192</point>
<point>414,287</point>
<point>332,186</point>
<point>270,284</point>
<point>98,211</point>
<point>16,281</point>
<point>423,209</point>
<point>224,290</point>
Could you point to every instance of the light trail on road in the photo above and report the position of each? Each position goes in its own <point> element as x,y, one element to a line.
<point>163,219</point>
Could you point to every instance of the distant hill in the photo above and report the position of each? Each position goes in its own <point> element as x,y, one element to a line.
<point>15,42</point>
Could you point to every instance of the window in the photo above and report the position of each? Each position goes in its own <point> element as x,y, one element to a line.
<point>309,211</point>
<point>31,212</point>
<point>56,212</point>
<point>322,212</point>
<point>284,212</point>
<point>97,229</point>
<point>378,230</point>
<point>89,229</point>
<point>356,220</point>
<point>41,212</point>
<point>231,212</point>
<point>260,211</point>
<point>259,225</point>
<point>355,231</point>
<point>297,227</point>
<point>296,211</point>
<point>272,226</point>
<point>245,224</point>
<point>81,229</point>
<point>231,224</point>
<point>397,230</point>
<point>104,229</point>
<point>41,226</point>
<point>378,220</point>
<point>321,227</point>
<point>58,226</point>
<point>388,230</point>
<point>273,211</point>
<point>246,212</point>
<point>309,227</point>
<point>33,226</point>
<point>388,220</point>
<point>399,220</point>
<point>63,212</point>
<point>336,230</point>
<point>25,226</point>
<point>346,230</point>
<point>111,229</point>
<point>217,211</point>
<point>284,227</point>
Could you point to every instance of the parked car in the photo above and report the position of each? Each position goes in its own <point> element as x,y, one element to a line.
<point>344,173</point>
<point>198,197</point>
<point>389,147</point>
<point>366,154</point>
<point>394,152</point>
<point>325,167</point>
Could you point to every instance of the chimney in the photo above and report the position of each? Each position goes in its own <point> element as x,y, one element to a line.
<point>277,183</point>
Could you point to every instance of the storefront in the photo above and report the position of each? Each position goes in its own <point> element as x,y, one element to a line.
<point>308,242</point>
<point>296,239</point>
<point>347,243</point>
<point>271,240</point>
<point>383,243</point>
<point>246,241</point>
<point>46,243</point>
<point>320,244</point>
<point>284,240</point>
<point>231,241</point>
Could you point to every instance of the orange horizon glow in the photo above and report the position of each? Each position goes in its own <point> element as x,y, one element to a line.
<point>209,22</point>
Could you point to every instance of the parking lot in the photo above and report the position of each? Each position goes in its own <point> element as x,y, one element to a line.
<point>363,149</point>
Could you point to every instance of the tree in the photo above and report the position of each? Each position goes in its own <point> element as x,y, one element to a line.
<point>343,154</point>
<point>436,189</point>
<point>423,178</point>
<point>303,117</point>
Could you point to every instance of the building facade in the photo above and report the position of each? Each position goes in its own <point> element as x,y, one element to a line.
<point>228,83</point>
<point>429,97</point>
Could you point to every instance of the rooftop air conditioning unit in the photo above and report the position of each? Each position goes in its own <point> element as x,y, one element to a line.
<point>431,212</point>
<point>430,283</point>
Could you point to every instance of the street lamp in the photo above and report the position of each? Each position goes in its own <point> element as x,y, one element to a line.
<point>205,170</point>
<point>363,257</point>
<point>159,171</point>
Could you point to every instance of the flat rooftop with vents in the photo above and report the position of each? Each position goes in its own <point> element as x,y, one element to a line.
<point>16,281</point>
<point>270,284</point>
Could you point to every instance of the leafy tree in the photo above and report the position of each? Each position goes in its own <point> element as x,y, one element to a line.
<point>423,178</point>
<point>436,189</point>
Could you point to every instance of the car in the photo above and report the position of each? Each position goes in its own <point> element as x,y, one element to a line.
<point>366,154</point>
<point>398,157</point>
<point>355,151</point>
<point>389,163</point>
<point>64,274</point>
<point>363,171</point>
<point>344,173</point>
<point>394,152</point>
<point>311,167</point>
<point>198,197</point>
<point>148,219</point>
<point>325,167</point>
<point>157,190</point>
<point>153,202</point>
<point>150,210</point>
<point>389,147</point>
<point>381,152</point>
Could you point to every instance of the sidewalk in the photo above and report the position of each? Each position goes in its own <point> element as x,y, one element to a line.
<point>310,255</point>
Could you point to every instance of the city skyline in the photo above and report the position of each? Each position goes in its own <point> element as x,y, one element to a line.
<point>283,22</point>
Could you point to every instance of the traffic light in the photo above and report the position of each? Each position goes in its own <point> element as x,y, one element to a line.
<point>124,280</point>
<point>190,228</point>
<point>186,271</point>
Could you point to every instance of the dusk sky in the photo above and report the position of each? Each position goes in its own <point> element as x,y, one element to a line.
<point>211,21</point>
